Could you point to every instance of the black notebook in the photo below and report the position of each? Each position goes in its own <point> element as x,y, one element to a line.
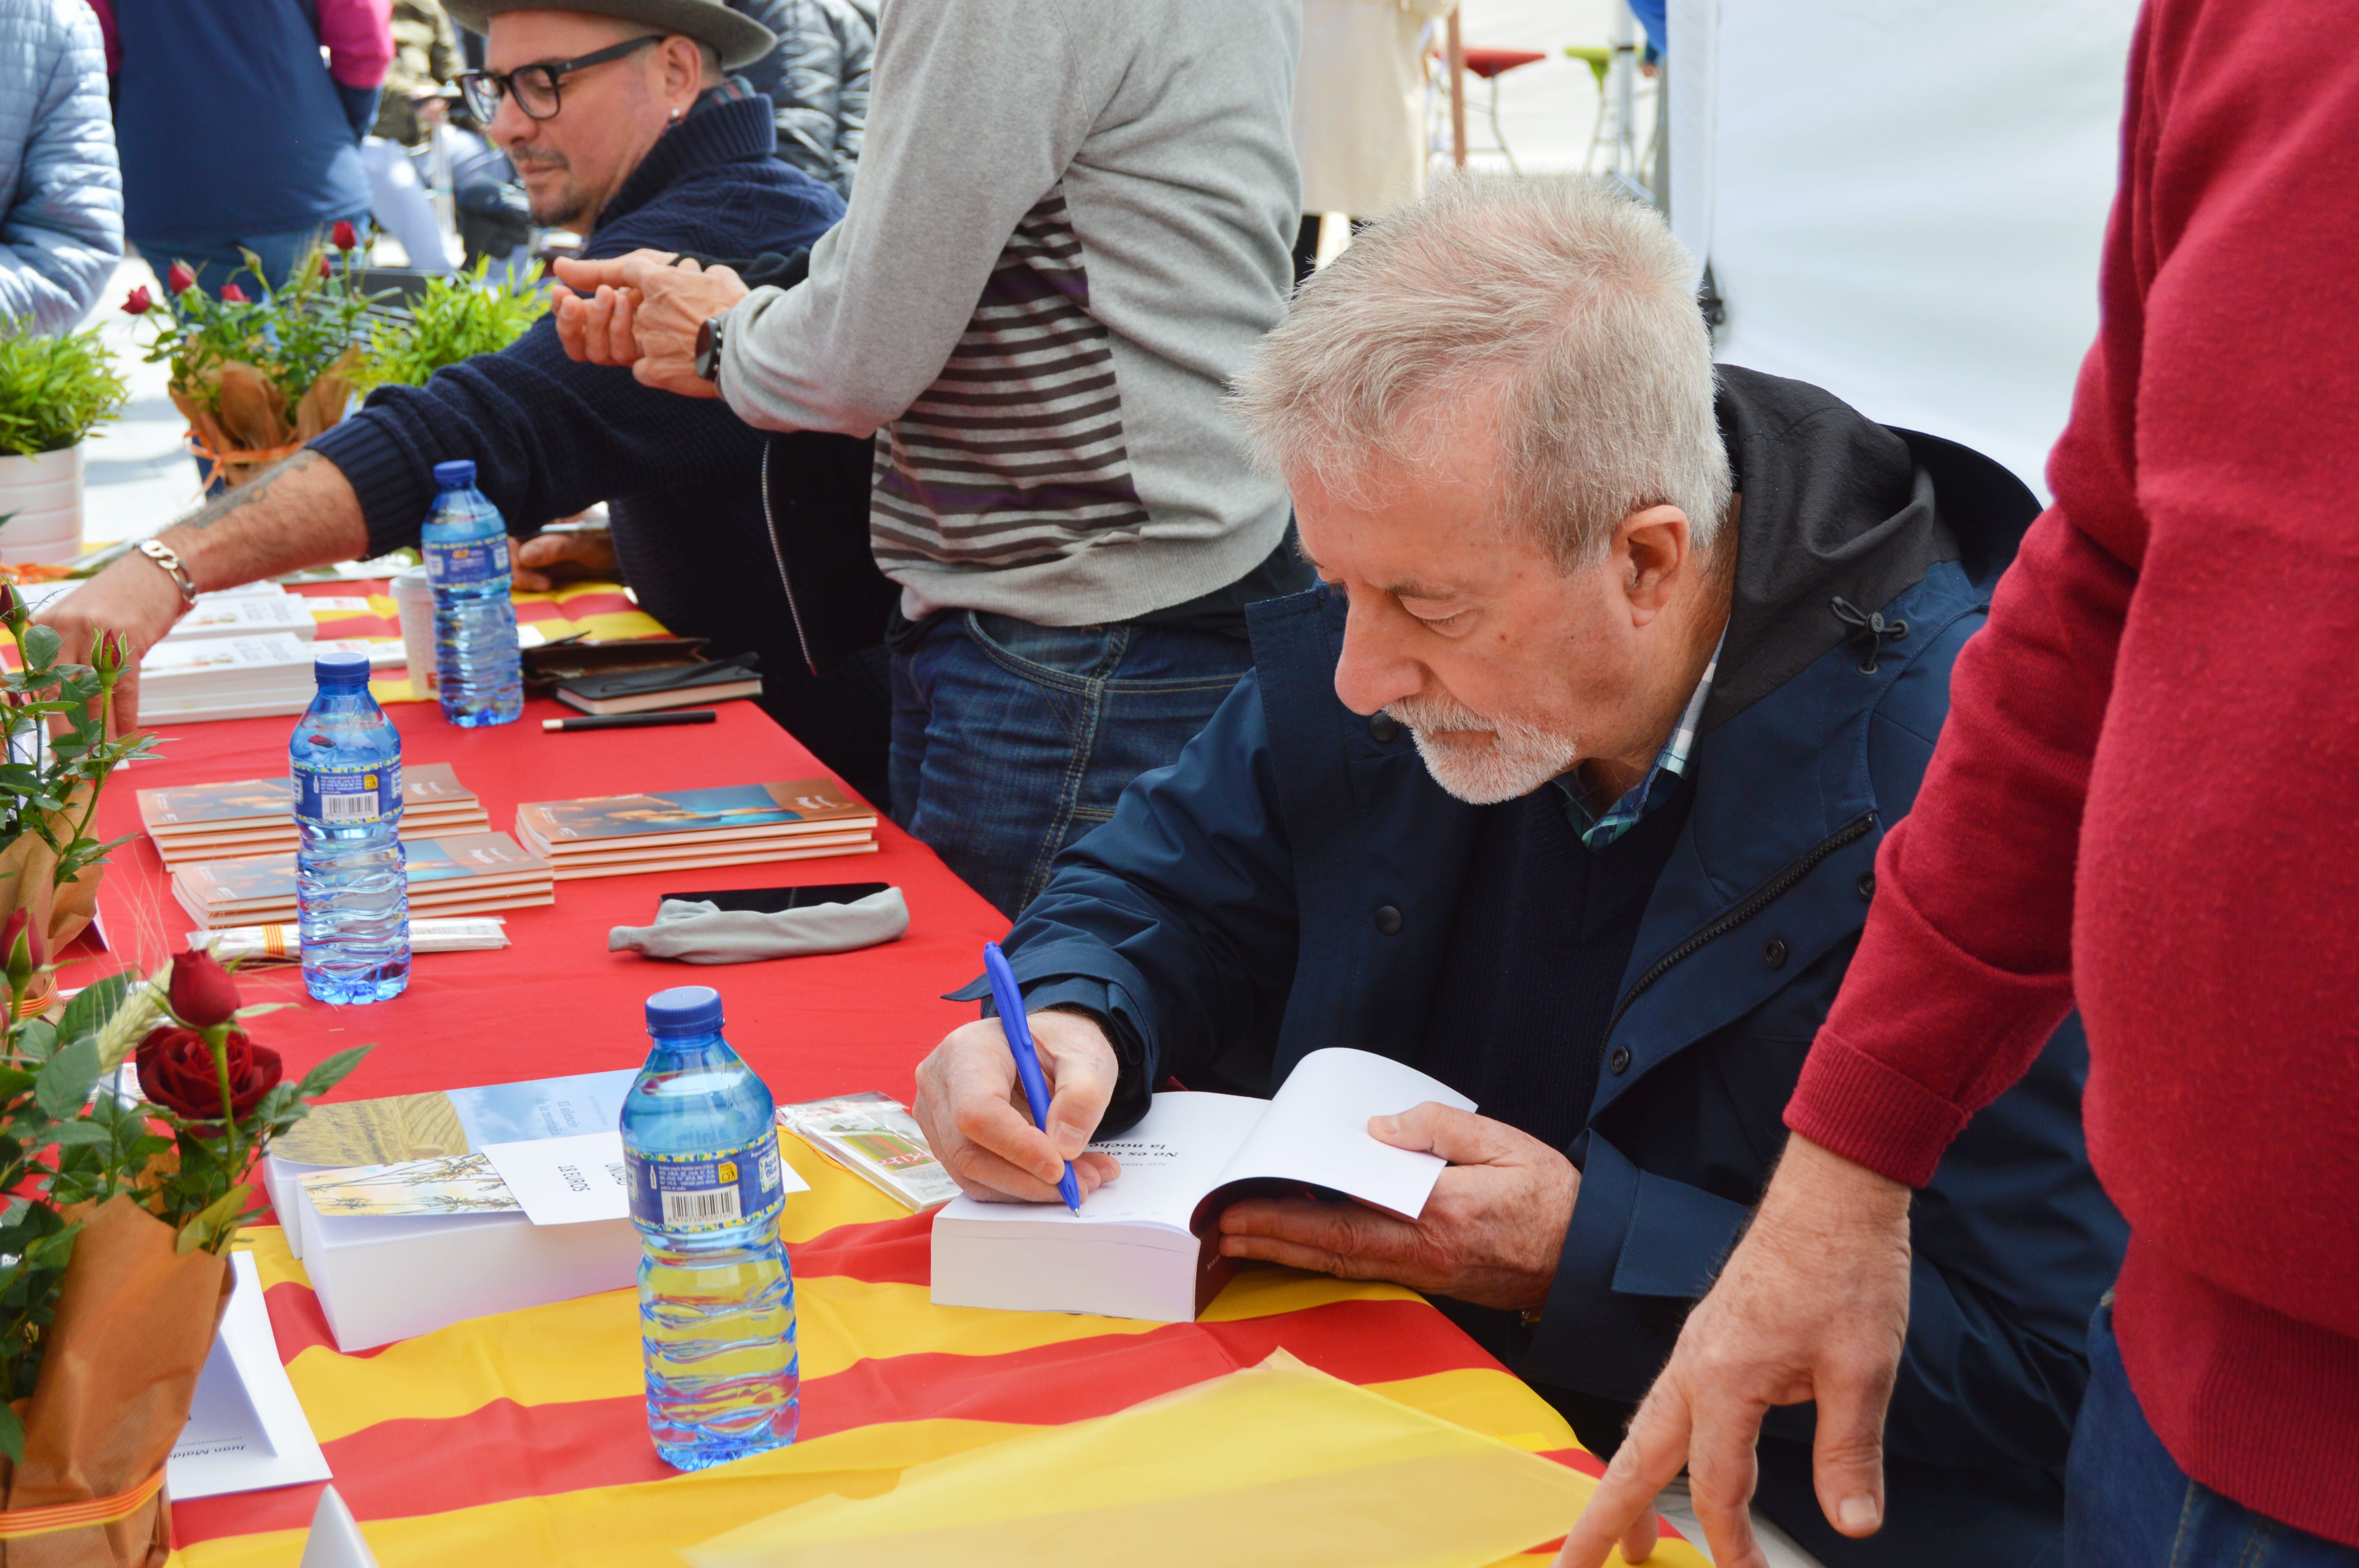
<point>682,685</point>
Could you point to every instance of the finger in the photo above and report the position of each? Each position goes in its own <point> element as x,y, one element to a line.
<point>1847,1453</point>
<point>1270,1249</point>
<point>1458,1136</point>
<point>1344,1229</point>
<point>1081,1085</point>
<point>540,550</point>
<point>565,310</point>
<point>526,580</point>
<point>1649,1459</point>
<point>126,700</point>
<point>983,1173</point>
<point>625,330</point>
<point>620,272</point>
<point>1722,1473</point>
<point>997,1125</point>
<point>1639,1541</point>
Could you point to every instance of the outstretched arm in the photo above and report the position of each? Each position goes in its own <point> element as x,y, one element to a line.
<point>301,514</point>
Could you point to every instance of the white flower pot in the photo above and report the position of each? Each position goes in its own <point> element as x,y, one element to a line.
<point>45,494</point>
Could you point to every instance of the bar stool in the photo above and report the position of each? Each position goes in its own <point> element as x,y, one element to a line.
<point>1491,65</point>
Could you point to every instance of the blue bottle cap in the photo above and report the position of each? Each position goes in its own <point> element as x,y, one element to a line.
<point>684,1010</point>
<point>340,670</point>
<point>456,475</point>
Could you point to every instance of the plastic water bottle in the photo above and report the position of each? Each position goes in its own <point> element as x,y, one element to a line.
<point>465,543</point>
<point>716,1296</point>
<point>351,891</point>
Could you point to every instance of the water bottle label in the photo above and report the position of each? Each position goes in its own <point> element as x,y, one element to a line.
<point>347,797</point>
<point>690,1193</point>
<point>477,561</point>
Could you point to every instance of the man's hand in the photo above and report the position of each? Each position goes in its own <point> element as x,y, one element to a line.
<point>543,561</point>
<point>971,1107</point>
<point>133,596</point>
<point>1812,1305</point>
<point>643,310</point>
<point>1490,1234</point>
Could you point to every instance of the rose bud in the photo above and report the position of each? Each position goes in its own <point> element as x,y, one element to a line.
<point>177,1071</point>
<point>344,235</point>
<point>233,294</point>
<point>201,992</point>
<point>12,603</point>
<point>179,279</point>
<point>138,302</point>
<point>114,652</point>
<point>21,949</point>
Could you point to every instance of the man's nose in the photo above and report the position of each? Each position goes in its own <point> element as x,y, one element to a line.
<point>509,124</point>
<point>1375,670</point>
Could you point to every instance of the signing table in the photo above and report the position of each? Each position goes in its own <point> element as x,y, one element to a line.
<point>521,1439</point>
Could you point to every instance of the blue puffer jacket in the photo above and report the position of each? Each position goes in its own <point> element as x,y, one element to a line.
<point>60,190</point>
<point>1290,883</point>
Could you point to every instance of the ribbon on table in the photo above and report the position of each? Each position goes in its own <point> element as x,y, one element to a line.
<point>18,1524</point>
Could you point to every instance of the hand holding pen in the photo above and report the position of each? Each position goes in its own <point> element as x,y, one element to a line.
<point>1009,1000</point>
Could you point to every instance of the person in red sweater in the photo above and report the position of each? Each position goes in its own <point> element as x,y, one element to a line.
<point>2143,800</point>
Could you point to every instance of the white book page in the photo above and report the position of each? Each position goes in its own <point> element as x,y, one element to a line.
<point>1169,1161</point>
<point>1316,1131</point>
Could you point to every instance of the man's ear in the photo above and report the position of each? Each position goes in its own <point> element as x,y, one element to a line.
<point>1652,549</point>
<point>683,67</point>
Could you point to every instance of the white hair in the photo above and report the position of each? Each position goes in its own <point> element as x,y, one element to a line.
<point>1568,302</point>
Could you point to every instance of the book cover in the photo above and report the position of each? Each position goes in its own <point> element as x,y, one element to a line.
<point>680,811</point>
<point>194,807</point>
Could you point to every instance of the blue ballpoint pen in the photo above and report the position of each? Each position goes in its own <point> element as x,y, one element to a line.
<point>1018,1029</point>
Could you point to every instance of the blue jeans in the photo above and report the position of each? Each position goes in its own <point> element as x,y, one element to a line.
<point>1010,741</point>
<point>2128,1505</point>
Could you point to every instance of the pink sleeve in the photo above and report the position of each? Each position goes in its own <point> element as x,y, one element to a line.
<point>358,37</point>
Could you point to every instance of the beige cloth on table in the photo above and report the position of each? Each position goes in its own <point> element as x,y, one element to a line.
<point>1359,104</point>
<point>697,932</point>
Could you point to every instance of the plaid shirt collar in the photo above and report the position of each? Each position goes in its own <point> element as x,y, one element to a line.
<point>1671,764</point>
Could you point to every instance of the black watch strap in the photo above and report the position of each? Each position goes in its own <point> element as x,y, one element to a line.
<point>708,349</point>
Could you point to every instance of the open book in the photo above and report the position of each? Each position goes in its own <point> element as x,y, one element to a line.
<point>1145,1246</point>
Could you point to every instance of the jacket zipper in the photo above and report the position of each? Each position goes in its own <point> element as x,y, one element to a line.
<point>1767,894</point>
<point>778,554</point>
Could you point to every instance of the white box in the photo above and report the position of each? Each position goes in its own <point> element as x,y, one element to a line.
<point>383,1279</point>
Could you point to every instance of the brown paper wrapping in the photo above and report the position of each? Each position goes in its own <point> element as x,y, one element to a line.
<point>28,870</point>
<point>248,425</point>
<point>134,1323</point>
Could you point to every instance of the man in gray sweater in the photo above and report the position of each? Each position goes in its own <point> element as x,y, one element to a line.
<point>1071,222</point>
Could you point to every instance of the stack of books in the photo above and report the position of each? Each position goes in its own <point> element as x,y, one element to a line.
<point>256,817</point>
<point>245,677</point>
<point>468,873</point>
<point>625,835</point>
<point>216,615</point>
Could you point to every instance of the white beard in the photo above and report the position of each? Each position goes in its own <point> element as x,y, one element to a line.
<point>1520,758</point>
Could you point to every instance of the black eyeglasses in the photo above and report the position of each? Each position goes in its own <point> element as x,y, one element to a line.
<point>535,85</point>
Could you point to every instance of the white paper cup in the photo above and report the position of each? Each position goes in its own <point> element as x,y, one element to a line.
<point>413,600</point>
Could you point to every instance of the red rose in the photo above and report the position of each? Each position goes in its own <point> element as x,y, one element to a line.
<point>233,294</point>
<point>201,992</point>
<point>177,1071</point>
<point>344,235</point>
<point>179,279</point>
<point>22,950</point>
<point>138,302</point>
<point>327,267</point>
<point>11,602</point>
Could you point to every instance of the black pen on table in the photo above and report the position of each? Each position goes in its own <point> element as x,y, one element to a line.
<point>632,720</point>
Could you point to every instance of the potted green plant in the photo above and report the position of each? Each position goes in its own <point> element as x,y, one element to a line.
<point>454,318</point>
<point>54,391</point>
<point>257,378</point>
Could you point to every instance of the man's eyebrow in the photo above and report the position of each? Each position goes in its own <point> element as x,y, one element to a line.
<point>1412,588</point>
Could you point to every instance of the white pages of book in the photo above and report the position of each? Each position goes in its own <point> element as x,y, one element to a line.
<point>1141,1248</point>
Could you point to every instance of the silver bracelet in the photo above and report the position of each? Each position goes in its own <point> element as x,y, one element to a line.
<point>162,553</point>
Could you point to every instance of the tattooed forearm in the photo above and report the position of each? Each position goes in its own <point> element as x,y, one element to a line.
<point>249,493</point>
<point>301,514</point>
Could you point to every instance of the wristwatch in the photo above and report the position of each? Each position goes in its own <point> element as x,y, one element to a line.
<point>162,553</point>
<point>708,347</point>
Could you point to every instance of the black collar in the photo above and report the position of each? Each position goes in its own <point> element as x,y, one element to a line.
<point>714,133</point>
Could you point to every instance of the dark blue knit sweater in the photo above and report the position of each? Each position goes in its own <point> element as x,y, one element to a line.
<point>550,437</point>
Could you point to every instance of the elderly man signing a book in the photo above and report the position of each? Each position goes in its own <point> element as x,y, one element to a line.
<point>1564,785</point>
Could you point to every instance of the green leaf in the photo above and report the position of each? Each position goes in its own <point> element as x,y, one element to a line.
<point>82,1132</point>
<point>217,1225</point>
<point>66,1078</point>
<point>14,1081</point>
<point>41,645</point>
<point>94,1006</point>
<point>12,1434</point>
<point>35,1039</point>
<point>331,1072</point>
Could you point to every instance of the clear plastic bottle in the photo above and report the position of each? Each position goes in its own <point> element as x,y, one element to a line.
<point>352,889</point>
<point>465,543</point>
<point>716,1295</point>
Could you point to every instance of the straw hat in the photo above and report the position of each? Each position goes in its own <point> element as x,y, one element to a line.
<point>741,40</point>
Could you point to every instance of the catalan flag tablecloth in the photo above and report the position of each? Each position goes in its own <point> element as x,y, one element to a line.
<point>521,1439</point>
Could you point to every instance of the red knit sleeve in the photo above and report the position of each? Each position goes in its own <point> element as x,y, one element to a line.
<point>1965,966</point>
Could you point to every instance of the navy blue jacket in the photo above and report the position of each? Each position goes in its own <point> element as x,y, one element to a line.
<point>1228,916</point>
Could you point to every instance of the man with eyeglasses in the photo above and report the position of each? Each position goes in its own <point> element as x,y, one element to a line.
<point>623,126</point>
